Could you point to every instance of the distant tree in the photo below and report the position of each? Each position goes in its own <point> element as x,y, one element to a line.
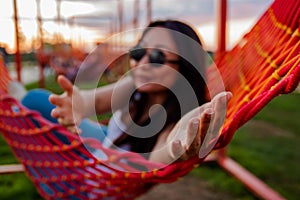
<point>22,40</point>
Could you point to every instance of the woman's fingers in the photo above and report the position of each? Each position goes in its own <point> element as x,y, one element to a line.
<point>57,100</point>
<point>59,112</point>
<point>65,121</point>
<point>63,101</point>
<point>69,124</point>
<point>65,84</point>
<point>210,123</point>
<point>220,108</point>
<point>177,149</point>
<point>193,139</point>
<point>74,129</point>
<point>202,130</point>
<point>205,122</point>
<point>55,113</point>
<point>197,131</point>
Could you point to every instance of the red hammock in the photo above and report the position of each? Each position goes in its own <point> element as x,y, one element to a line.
<point>263,65</point>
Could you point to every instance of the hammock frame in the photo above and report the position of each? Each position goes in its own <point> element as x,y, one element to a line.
<point>248,179</point>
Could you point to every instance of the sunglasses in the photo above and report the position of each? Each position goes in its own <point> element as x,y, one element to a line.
<point>156,56</point>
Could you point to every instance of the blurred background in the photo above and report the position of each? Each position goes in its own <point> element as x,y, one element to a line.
<point>40,29</point>
<point>86,22</point>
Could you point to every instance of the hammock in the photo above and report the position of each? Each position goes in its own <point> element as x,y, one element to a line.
<point>263,65</point>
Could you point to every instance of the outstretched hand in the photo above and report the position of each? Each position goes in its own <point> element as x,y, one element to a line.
<point>202,126</point>
<point>196,133</point>
<point>67,114</point>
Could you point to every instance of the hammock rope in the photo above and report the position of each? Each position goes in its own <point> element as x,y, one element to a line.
<point>5,78</point>
<point>264,64</point>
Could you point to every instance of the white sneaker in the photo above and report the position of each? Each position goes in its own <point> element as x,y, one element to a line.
<point>16,90</point>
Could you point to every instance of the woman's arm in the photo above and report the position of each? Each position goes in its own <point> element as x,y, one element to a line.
<point>103,99</point>
<point>75,104</point>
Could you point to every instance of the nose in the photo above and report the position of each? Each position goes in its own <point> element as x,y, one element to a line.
<point>144,59</point>
<point>144,63</point>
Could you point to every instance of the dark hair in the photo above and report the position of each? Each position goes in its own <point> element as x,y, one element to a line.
<point>191,67</point>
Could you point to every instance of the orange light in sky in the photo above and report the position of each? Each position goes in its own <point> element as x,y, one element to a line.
<point>27,12</point>
<point>77,34</point>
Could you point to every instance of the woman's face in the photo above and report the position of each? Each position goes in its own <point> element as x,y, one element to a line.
<point>150,78</point>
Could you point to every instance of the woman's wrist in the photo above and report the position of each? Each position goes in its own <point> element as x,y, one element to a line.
<point>88,100</point>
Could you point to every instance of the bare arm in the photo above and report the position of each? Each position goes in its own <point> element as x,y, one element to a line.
<point>75,104</point>
<point>102,97</point>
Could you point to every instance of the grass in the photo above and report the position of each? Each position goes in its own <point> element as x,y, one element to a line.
<point>268,146</point>
<point>14,186</point>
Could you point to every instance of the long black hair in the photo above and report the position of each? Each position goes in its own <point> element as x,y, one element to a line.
<point>192,62</point>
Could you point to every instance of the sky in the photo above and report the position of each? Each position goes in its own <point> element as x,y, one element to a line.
<point>87,21</point>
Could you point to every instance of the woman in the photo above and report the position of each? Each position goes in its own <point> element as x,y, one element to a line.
<point>150,105</point>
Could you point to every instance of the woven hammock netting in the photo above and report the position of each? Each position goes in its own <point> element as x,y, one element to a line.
<point>264,64</point>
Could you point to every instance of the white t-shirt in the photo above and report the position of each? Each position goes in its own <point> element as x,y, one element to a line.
<point>115,128</point>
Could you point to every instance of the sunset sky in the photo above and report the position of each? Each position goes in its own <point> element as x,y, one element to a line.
<point>90,20</point>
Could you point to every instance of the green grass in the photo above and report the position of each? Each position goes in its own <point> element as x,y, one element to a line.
<point>17,186</point>
<point>268,146</point>
<point>14,186</point>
